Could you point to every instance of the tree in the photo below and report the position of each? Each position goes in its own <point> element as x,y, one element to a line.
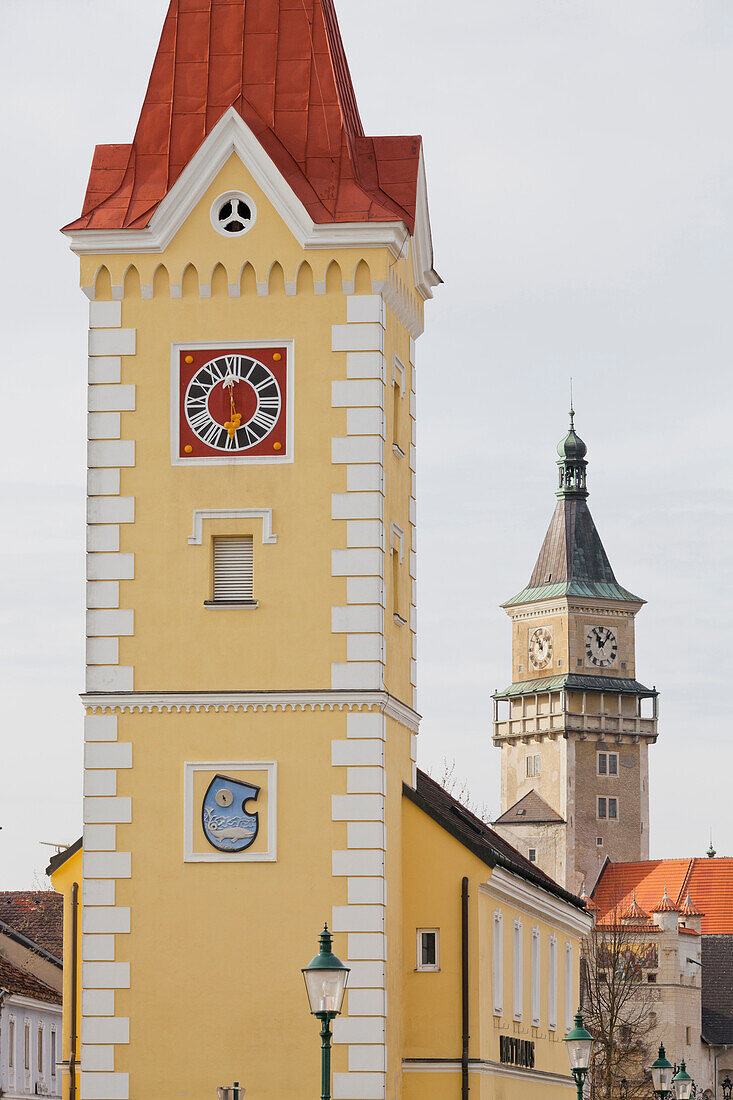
<point>458,789</point>
<point>618,1004</point>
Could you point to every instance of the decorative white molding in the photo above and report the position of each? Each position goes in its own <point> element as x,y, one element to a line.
<point>491,1069</point>
<point>192,813</point>
<point>232,135</point>
<point>536,902</point>
<point>141,701</point>
<point>202,514</point>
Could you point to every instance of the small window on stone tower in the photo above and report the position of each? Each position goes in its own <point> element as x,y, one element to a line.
<point>612,808</point>
<point>599,841</point>
<point>601,807</point>
<point>233,578</point>
<point>533,855</point>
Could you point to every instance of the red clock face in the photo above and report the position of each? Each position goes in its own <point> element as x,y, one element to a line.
<point>233,403</point>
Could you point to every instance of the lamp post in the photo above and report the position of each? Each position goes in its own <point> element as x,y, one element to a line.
<point>325,982</point>
<point>579,1046</point>
<point>662,1076</point>
<point>727,1087</point>
<point>682,1083</point>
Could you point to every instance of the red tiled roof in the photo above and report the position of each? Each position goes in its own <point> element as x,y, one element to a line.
<point>709,882</point>
<point>665,904</point>
<point>634,911</point>
<point>688,909</point>
<point>281,64</point>
<point>36,914</point>
<point>24,984</point>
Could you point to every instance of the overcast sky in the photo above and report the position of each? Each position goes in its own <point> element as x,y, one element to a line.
<point>579,168</point>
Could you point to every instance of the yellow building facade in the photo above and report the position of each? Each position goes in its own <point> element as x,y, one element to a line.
<point>257,269</point>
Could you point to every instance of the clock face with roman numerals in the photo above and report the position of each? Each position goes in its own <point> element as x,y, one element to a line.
<point>233,403</point>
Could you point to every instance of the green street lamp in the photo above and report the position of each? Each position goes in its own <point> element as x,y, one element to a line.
<point>682,1083</point>
<point>579,1046</point>
<point>325,983</point>
<point>662,1076</point>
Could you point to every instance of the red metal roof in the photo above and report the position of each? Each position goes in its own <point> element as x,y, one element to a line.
<point>281,65</point>
<point>708,881</point>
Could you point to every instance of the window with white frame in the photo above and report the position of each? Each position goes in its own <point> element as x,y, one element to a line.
<point>497,963</point>
<point>518,970</point>
<point>11,1043</point>
<point>428,949</point>
<point>568,986</point>
<point>398,392</point>
<point>233,571</point>
<point>533,765</point>
<point>39,1049</point>
<point>398,557</point>
<point>607,763</point>
<point>552,983</point>
<point>607,808</point>
<point>27,1046</point>
<point>53,1052</point>
<point>535,977</point>
<point>532,855</point>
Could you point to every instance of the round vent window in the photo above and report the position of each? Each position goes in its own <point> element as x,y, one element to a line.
<point>233,214</point>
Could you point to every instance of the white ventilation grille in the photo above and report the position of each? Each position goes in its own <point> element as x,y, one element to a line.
<point>233,578</point>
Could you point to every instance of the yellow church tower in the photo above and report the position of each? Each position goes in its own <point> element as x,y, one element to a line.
<point>256,268</point>
<point>575,724</point>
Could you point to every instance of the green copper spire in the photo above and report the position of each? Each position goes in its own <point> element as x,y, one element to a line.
<point>572,465</point>
<point>572,561</point>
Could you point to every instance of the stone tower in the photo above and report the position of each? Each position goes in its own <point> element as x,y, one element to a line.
<point>257,268</point>
<point>575,724</point>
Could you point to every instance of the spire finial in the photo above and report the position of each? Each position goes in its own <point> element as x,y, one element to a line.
<point>572,451</point>
<point>711,851</point>
<point>572,410</point>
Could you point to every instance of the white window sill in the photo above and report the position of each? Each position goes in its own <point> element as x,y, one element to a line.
<point>427,970</point>
<point>246,605</point>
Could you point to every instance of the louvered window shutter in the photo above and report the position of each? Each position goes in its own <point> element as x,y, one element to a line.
<point>233,579</point>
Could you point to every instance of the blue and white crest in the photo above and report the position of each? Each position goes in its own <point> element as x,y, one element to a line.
<point>227,825</point>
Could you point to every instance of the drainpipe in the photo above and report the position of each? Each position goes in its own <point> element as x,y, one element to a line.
<point>74,984</point>
<point>464,988</point>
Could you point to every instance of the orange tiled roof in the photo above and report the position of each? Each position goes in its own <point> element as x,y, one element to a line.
<point>281,65</point>
<point>708,881</point>
<point>36,914</point>
<point>665,904</point>
<point>634,911</point>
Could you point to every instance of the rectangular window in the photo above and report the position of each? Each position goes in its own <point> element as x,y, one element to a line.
<point>568,986</point>
<point>11,1044</point>
<point>518,970</point>
<point>53,1053</point>
<point>27,1047</point>
<point>552,984</point>
<point>498,964</point>
<point>428,949</point>
<point>613,808</point>
<point>533,855</point>
<point>688,1035</point>
<point>398,392</point>
<point>39,1051</point>
<point>607,763</point>
<point>599,841</point>
<point>533,765</point>
<point>601,807</point>
<point>233,570</point>
<point>535,977</point>
<point>397,546</point>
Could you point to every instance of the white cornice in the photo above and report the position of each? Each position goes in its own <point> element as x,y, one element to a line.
<point>32,1002</point>
<point>232,135</point>
<point>536,902</point>
<point>253,700</point>
<point>491,1069</point>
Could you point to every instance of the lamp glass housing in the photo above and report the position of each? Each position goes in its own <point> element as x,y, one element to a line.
<point>662,1073</point>
<point>326,989</point>
<point>682,1084</point>
<point>579,1043</point>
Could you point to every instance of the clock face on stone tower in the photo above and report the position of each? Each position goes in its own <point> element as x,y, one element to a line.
<point>601,646</point>
<point>232,403</point>
<point>540,648</point>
